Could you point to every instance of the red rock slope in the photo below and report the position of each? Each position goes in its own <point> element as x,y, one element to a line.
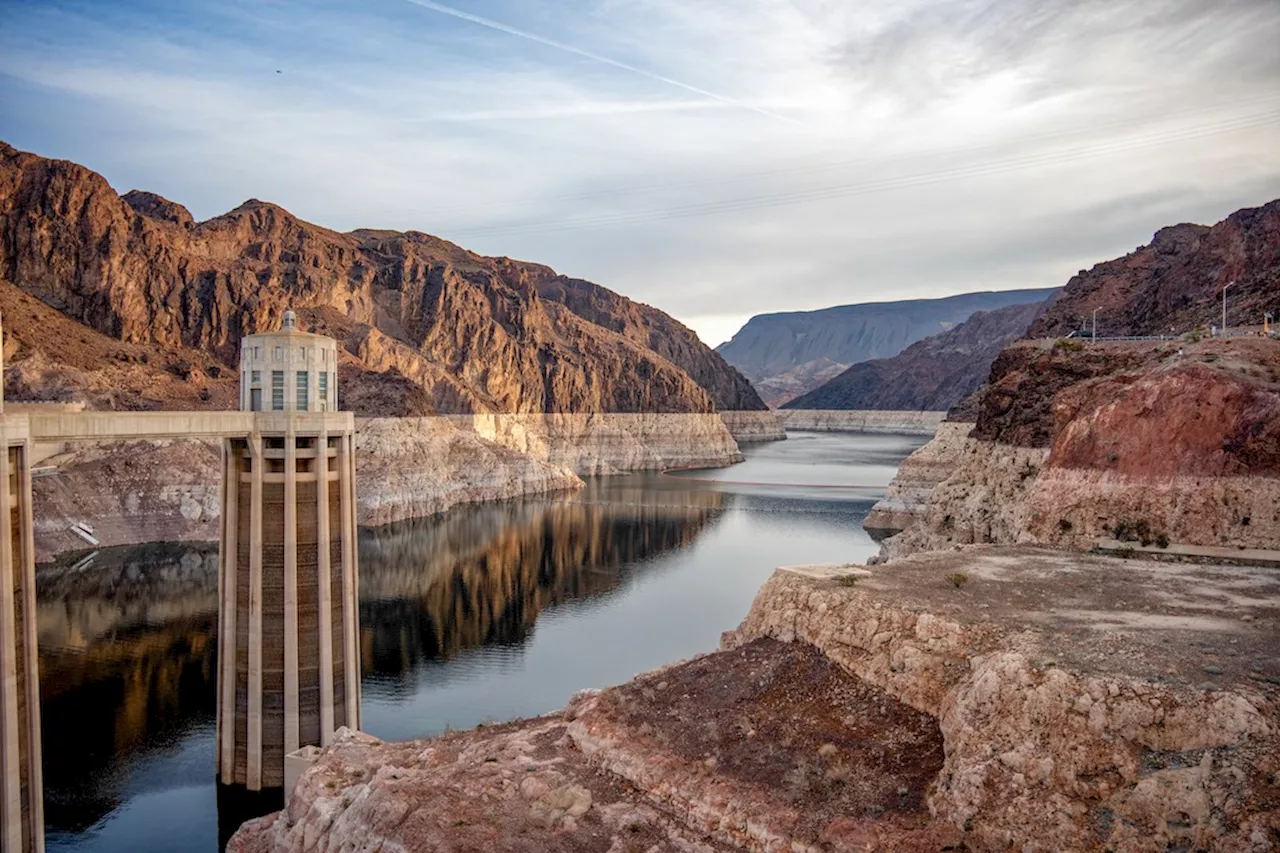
<point>428,324</point>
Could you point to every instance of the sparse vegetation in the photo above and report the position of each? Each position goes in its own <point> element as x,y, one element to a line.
<point>957,579</point>
<point>848,580</point>
<point>1126,553</point>
<point>1065,526</point>
<point>1140,530</point>
<point>1068,346</point>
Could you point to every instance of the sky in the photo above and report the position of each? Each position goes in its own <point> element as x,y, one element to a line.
<point>714,158</point>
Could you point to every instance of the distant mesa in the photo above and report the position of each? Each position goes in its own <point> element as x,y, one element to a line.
<point>930,375</point>
<point>789,354</point>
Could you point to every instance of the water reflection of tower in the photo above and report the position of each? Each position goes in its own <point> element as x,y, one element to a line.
<point>21,817</point>
<point>288,665</point>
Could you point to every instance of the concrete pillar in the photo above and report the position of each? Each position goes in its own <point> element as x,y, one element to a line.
<point>21,793</point>
<point>288,675</point>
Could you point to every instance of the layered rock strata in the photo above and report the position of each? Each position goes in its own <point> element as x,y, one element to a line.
<point>751,427</point>
<point>907,496</point>
<point>1044,704</point>
<point>1085,703</point>
<point>151,491</point>
<point>147,491</point>
<point>609,443</point>
<point>1172,443</point>
<point>833,420</point>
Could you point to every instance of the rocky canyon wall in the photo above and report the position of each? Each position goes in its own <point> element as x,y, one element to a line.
<point>834,420</point>
<point>609,443</point>
<point>907,497</point>
<point>425,326</point>
<point>750,427</point>
<point>1168,443</point>
<point>148,491</point>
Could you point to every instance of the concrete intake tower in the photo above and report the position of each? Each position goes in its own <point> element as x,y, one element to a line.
<point>21,794</point>
<point>288,659</point>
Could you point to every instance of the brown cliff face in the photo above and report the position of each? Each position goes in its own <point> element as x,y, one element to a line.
<point>1176,282</point>
<point>473,333</point>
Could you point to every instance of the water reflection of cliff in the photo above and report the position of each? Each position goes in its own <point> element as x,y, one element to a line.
<point>126,659</point>
<point>430,588</point>
<point>127,641</point>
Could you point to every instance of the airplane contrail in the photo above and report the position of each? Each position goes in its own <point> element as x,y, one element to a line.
<point>594,57</point>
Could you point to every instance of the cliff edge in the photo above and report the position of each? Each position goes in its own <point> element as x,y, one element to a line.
<point>1045,704</point>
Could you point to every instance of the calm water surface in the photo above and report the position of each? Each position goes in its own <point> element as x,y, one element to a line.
<point>485,613</point>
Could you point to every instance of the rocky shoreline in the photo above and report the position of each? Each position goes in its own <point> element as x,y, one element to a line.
<point>149,491</point>
<point>887,712</point>
<point>1072,447</point>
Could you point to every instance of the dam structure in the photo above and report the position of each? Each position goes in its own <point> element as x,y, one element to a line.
<point>21,792</point>
<point>288,660</point>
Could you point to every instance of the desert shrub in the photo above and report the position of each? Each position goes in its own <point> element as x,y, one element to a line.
<point>1065,526</point>
<point>1162,539</point>
<point>957,579</point>
<point>1127,530</point>
<point>848,580</point>
<point>1068,345</point>
<point>1126,553</point>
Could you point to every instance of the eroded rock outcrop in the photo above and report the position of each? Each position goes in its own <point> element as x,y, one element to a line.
<point>907,496</point>
<point>1168,284</point>
<point>1074,717</point>
<point>1046,703</point>
<point>1158,443</point>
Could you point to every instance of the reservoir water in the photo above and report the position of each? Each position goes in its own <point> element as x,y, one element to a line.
<point>485,613</point>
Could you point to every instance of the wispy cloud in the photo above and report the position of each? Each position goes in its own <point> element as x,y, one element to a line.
<point>595,57</point>
<point>945,145</point>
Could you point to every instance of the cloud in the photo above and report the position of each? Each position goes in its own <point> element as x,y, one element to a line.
<point>594,57</point>
<point>938,146</point>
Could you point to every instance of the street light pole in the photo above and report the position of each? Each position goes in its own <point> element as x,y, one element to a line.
<point>1224,306</point>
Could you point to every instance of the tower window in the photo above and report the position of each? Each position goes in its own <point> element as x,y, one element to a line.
<point>255,376</point>
<point>324,390</point>
<point>303,382</point>
<point>277,390</point>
